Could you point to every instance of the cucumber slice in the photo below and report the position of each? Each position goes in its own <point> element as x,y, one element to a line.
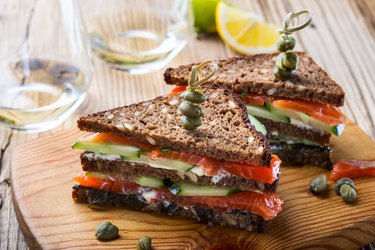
<point>309,120</point>
<point>129,152</point>
<point>149,182</point>
<point>266,114</point>
<point>335,130</point>
<point>257,124</point>
<point>187,189</point>
<point>167,164</point>
<point>280,111</point>
<point>97,175</point>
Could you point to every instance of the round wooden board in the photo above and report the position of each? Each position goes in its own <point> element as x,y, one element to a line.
<point>42,172</point>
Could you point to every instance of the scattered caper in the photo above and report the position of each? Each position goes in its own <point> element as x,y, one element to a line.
<point>286,43</point>
<point>106,231</point>
<point>289,60</point>
<point>190,110</point>
<point>190,123</point>
<point>318,184</point>
<point>342,181</point>
<point>348,193</point>
<point>194,96</point>
<point>165,150</point>
<point>144,243</point>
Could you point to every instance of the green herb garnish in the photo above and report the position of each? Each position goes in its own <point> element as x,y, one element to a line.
<point>165,150</point>
<point>286,61</point>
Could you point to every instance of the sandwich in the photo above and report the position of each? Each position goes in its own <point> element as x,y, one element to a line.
<point>299,115</point>
<point>140,157</point>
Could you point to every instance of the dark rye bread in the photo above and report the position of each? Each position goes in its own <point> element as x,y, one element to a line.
<point>300,154</point>
<point>254,74</point>
<point>92,163</point>
<point>275,128</point>
<point>226,132</point>
<point>234,218</point>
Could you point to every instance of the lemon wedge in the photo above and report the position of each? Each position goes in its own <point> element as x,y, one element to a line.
<point>243,31</point>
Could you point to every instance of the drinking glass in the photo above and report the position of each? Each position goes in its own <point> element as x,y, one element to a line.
<point>137,36</point>
<point>45,63</point>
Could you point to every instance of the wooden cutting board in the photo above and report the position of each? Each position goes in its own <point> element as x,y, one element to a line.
<point>41,183</point>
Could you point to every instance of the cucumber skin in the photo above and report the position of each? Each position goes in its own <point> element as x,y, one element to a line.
<point>172,187</point>
<point>257,124</point>
<point>263,112</point>
<point>130,152</point>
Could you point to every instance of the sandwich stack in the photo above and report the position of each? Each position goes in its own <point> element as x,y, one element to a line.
<point>299,114</point>
<point>139,157</point>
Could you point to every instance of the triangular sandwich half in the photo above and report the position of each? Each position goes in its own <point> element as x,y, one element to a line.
<point>299,114</point>
<point>139,156</point>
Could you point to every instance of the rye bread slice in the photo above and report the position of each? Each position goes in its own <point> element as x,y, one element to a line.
<point>92,163</point>
<point>275,128</point>
<point>226,132</point>
<point>300,154</point>
<point>234,218</point>
<point>254,74</point>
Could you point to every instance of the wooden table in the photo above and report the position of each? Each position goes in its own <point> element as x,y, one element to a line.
<point>341,40</point>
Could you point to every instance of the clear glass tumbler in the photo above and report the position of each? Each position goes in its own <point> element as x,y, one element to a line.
<point>137,36</point>
<point>45,63</point>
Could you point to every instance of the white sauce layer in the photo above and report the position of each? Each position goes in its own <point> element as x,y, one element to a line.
<point>304,125</point>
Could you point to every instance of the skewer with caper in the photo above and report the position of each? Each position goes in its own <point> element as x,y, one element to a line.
<point>192,113</point>
<point>286,61</point>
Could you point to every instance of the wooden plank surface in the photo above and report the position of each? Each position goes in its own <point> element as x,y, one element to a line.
<point>342,41</point>
<point>45,209</point>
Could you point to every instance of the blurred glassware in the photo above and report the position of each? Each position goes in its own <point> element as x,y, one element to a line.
<point>45,70</point>
<point>137,36</point>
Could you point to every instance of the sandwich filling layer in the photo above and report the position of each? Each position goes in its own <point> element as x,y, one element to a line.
<point>304,114</point>
<point>186,195</point>
<point>233,218</point>
<point>110,145</point>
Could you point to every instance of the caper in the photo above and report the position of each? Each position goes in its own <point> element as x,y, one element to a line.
<point>342,181</point>
<point>190,123</point>
<point>318,184</point>
<point>348,193</point>
<point>144,243</point>
<point>285,43</point>
<point>282,74</point>
<point>279,61</point>
<point>194,96</point>
<point>106,231</point>
<point>190,110</point>
<point>289,60</point>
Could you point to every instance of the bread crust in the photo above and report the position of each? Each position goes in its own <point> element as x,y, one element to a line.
<point>299,154</point>
<point>254,73</point>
